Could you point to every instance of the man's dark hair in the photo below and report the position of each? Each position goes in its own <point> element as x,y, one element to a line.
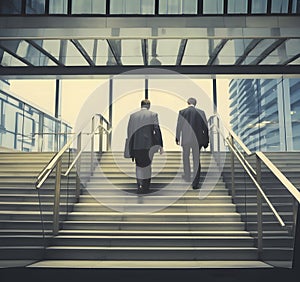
<point>145,103</point>
<point>192,101</point>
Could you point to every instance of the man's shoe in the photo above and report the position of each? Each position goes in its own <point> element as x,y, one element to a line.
<point>195,187</point>
<point>140,189</point>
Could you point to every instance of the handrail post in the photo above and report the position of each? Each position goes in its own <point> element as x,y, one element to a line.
<point>232,170</point>
<point>108,142</point>
<point>211,134</point>
<point>101,135</point>
<point>78,165</point>
<point>40,136</point>
<point>296,257</point>
<point>57,198</point>
<point>219,141</point>
<point>92,146</point>
<point>259,210</point>
<point>295,217</point>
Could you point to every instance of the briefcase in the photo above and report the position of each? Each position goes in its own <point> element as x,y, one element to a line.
<point>126,149</point>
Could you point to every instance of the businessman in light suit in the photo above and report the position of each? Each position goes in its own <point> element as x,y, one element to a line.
<point>144,135</point>
<point>192,134</point>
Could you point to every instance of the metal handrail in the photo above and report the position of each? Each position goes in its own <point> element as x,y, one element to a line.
<point>268,163</point>
<point>258,187</point>
<point>280,176</point>
<point>238,140</point>
<point>247,166</point>
<point>81,151</point>
<point>43,175</point>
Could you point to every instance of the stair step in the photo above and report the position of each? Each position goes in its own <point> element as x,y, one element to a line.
<point>154,241</point>
<point>200,207</point>
<point>152,225</point>
<point>152,253</point>
<point>161,216</point>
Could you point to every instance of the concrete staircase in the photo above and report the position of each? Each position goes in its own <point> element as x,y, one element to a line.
<point>109,223</point>
<point>21,229</point>
<point>278,242</point>
<point>112,223</point>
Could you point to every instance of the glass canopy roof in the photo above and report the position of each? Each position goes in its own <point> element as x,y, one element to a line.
<point>149,52</point>
<point>193,36</point>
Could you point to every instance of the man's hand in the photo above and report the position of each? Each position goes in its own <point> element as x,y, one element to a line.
<point>161,150</point>
<point>177,141</point>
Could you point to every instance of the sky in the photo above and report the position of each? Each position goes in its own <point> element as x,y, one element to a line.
<point>167,98</point>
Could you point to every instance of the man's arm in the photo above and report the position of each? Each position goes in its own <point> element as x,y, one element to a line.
<point>157,131</point>
<point>205,129</point>
<point>178,128</point>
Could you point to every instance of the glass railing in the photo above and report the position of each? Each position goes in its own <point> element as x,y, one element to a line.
<point>26,128</point>
<point>264,195</point>
<point>60,183</point>
<point>149,7</point>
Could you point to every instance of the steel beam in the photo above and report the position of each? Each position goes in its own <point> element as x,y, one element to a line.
<point>23,60</point>
<point>248,49</point>
<point>268,51</point>
<point>83,52</point>
<point>114,52</point>
<point>71,71</point>
<point>43,51</point>
<point>144,43</point>
<point>181,51</point>
<point>216,51</point>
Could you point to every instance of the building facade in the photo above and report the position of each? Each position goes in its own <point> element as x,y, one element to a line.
<point>265,113</point>
<point>24,127</point>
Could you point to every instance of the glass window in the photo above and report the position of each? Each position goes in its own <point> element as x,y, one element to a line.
<point>88,7</point>
<point>11,7</point>
<point>258,50</point>
<point>295,111</point>
<point>163,51</point>
<point>52,47</point>
<point>283,53</point>
<point>178,7</point>
<point>197,51</point>
<point>73,56</point>
<point>9,60</point>
<point>296,6</point>
<point>213,6</point>
<point>259,6</point>
<point>35,6</point>
<point>237,6</point>
<point>279,6</point>
<point>58,6</point>
<point>131,52</point>
<point>135,7</point>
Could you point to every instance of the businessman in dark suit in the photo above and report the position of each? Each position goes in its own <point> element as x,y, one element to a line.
<point>192,134</point>
<point>145,139</point>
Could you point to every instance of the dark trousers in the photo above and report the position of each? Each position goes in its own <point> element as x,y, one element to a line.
<point>143,168</point>
<point>186,150</point>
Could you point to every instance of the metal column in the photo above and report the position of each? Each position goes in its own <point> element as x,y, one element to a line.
<point>110,113</point>
<point>215,99</point>
<point>57,113</point>
<point>146,88</point>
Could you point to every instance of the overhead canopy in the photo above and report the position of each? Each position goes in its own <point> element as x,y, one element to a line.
<point>61,47</point>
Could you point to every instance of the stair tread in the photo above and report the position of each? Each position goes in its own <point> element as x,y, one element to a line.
<point>151,237</point>
<point>150,248</point>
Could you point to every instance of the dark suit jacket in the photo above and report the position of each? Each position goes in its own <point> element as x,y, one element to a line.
<point>143,131</point>
<point>192,127</point>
